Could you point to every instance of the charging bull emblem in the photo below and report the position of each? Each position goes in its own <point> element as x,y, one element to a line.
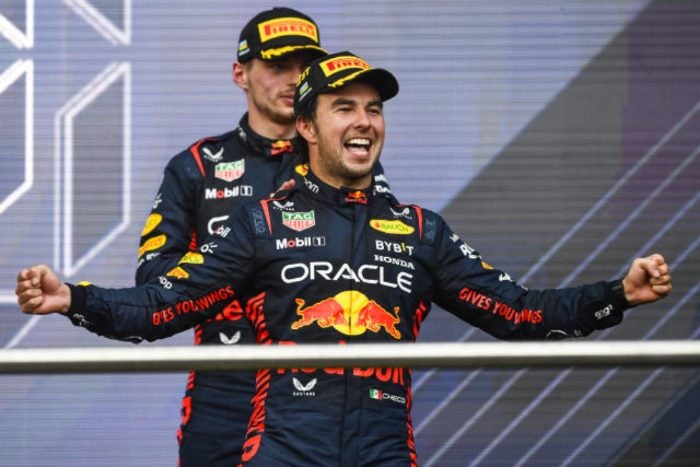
<point>350,312</point>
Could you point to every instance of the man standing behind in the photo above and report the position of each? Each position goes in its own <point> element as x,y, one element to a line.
<point>201,185</point>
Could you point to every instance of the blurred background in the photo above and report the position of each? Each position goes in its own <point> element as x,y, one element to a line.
<point>559,138</point>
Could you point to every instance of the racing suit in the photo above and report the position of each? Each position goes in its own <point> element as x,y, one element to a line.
<point>326,265</point>
<point>199,188</point>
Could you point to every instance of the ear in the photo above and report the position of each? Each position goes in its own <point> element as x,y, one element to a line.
<point>306,129</point>
<point>240,77</point>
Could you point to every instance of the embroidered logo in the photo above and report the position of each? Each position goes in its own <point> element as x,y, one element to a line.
<point>230,171</point>
<point>299,220</point>
<point>395,227</point>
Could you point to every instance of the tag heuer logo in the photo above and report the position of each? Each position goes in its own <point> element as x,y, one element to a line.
<point>299,220</point>
<point>230,171</point>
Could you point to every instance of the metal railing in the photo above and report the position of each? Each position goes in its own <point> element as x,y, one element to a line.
<point>419,355</point>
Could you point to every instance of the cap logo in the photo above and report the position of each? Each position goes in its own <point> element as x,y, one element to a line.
<point>334,65</point>
<point>243,47</point>
<point>304,90</point>
<point>303,75</point>
<point>289,26</point>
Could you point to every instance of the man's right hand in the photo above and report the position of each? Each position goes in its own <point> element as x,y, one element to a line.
<point>40,292</point>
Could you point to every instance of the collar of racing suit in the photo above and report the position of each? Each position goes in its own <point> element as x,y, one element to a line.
<point>266,146</point>
<point>307,181</point>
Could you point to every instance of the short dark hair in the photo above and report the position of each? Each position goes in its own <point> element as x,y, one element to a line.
<point>308,110</point>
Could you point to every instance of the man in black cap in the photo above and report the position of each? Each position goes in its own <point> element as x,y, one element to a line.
<point>201,185</point>
<point>334,260</point>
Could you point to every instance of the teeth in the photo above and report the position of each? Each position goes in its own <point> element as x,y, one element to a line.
<point>359,142</point>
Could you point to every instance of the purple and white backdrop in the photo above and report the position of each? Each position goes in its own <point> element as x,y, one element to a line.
<point>558,137</point>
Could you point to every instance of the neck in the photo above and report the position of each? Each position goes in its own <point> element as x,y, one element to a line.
<point>269,129</point>
<point>338,181</point>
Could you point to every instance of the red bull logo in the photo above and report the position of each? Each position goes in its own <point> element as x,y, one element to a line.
<point>356,197</point>
<point>350,312</point>
<point>302,169</point>
<point>281,146</point>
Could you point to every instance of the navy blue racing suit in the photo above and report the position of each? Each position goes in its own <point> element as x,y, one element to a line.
<point>326,265</point>
<point>199,188</point>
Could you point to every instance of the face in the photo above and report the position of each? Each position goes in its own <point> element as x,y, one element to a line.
<point>346,135</point>
<point>269,86</point>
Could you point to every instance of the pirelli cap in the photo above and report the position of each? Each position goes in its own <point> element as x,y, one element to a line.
<point>277,32</point>
<point>334,71</point>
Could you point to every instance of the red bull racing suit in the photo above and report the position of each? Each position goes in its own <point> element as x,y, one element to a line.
<point>199,188</point>
<point>325,265</point>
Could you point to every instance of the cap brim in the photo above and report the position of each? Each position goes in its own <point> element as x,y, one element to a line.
<point>385,82</point>
<point>279,52</point>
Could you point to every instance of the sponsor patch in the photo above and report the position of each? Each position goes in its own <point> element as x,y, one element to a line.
<point>288,26</point>
<point>394,227</point>
<point>178,272</point>
<point>349,312</point>
<point>299,242</point>
<point>229,171</point>
<point>234,339</point>
<point>281,146</point>
<point>378,394</point>
<point>152,244</point>
<point>304,89</point>
<point>337,64</point>
<point>286,206</point>
<point>302,169</point>
<point>299,220</point>
<point>225,193</point>
<point>213,156</point>
<point>151,223</point>
<point>258,221</point>
<point>192,258</point>
<point>243,47</point>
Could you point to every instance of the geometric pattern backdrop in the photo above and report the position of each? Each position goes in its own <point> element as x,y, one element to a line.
<point>559,138</point>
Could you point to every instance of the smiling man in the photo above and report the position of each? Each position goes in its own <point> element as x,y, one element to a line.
<point>335,260</point>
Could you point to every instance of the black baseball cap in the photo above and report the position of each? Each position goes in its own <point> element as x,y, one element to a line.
<point>277,32</point>
<point>335,71</point>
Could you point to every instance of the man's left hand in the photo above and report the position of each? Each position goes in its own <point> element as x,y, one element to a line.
<point>648,280</point>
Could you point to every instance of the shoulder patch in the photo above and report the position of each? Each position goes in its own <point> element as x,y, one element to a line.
<point>258,219</point>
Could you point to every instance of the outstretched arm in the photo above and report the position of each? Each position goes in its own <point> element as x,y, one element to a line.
<point>40,292</point>
<point>648,280</point>
<point>195,290</point>
<point>490,299</point>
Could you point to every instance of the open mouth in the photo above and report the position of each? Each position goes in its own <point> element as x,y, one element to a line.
<point>359,146</point>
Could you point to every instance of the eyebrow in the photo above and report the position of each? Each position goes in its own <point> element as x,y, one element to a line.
<point>345,101</point>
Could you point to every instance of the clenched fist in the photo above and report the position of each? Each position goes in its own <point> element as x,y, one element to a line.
<point>40,292</point>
